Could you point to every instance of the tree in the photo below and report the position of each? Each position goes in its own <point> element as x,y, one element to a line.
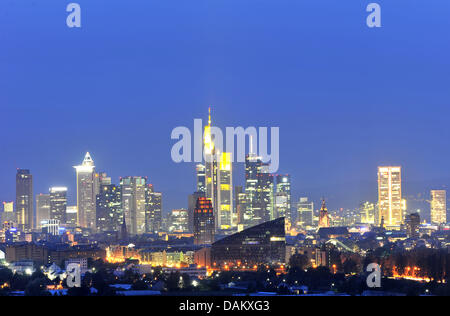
<point>350,266</point>
<point>6,276</point>
<point>299,261</point>
<point>172,282</point>
<point>37,287</point>
<point>139,285</point>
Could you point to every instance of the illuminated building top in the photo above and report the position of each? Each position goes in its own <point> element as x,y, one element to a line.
<point>87,165</point>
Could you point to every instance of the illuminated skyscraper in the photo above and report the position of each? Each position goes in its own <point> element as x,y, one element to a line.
<point>24,199</point>
<point>281,204</point>
<point>324,217</point>
<point>71,216</point>
<point>134,204</point>
<point>305,216</point>
<point>109,208</point>
<point>390,196</point>
<point>42,209</point>
<point>367,213</point>
<point>154,210</point>
<point>201,178</point>
<point>284,186</point>
<point>179,221</point>
<point>240,199</point>
<point>225,192</point>
<point>8,214</point>
<point>219,180</point>
<point>87,188</point>
<point>8,207</point>
<point>192,204</point>
<point>58,204</point>
<point>259,189</point>
<point>204,223</point>
<point>438,206</point>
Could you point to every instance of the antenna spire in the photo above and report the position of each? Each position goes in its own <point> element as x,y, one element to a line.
<point>209,116</point>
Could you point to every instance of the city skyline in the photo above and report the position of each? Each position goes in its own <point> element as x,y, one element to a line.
<point>72,200</point>
<point>224,155</point>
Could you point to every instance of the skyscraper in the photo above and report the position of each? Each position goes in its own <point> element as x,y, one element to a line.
<point>412,225</point>
<point>281,204</point>
<point>240,203</point>
<point>109,208</point>
<point>225,192</point>
<point>438,206</point>
<point>219,180</point>
<point>284,186</point>
<point>8,214</point>
<point>192,204</point>
<point>42,209</point>
<point>201,178</point>
<point>259,189</point>
<point>367,213</point>
<point>87,188</point>
<point>24,199</point>
<point>134,204</point>
<point>154,210</point>
<point>179,221</point>
<point>71,216</point>
<point>204,223</point>
<point>390,196</point>
<point>58,204</point>
<point>305,216</point>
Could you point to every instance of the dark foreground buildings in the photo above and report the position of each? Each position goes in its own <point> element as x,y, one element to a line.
<point>261,244</point>
<point>47,254</point>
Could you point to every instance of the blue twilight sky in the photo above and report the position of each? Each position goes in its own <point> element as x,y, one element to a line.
<point>346,98</point>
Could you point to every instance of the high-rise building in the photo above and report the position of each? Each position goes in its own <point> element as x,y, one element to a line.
<point>259,189</point>
<point>240,203</point>
<point>284,186</point>
<point>87,188</point>
<point>179,221</point>
<point>281,204</point>
<point>412,225</point>
<point>367,213</point>
<point>24,199</point>
<point>438,206</point>
<point>109,208</point>
<point>103,179</point>
<point>225,192</point>
<point>201,178</point>
<point>42,209</point>
<point>134,203</point>
<point>305,216</point>
<point>204,223</point>
<point>8,214</point>
<point>324,217</point>
<point>192,204</point>
<point>154,210</point>
<point>390,196</point>
<point>8,207</point>
<point>218,179</point>
<point>58,204</point>
<point>71,216</point>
